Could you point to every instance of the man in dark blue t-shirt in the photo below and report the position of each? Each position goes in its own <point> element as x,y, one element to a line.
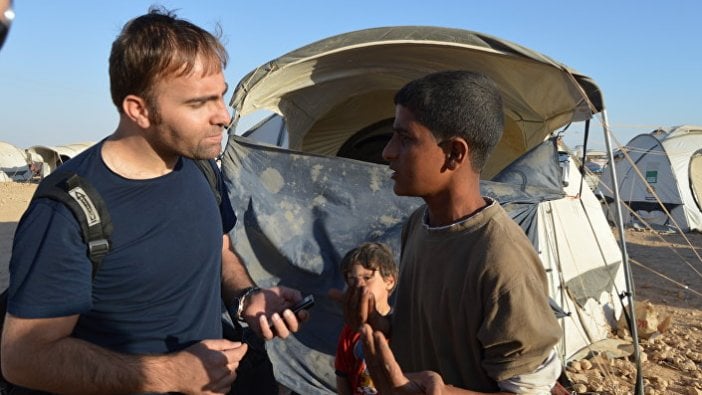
<point>150,321</point>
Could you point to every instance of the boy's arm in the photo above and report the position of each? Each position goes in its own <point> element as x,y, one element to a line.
<point>40,353</point>
<point>389,378</point>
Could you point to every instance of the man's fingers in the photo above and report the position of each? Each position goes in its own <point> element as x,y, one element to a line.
<point>236,354</point>
<point>279,325</point>
<point>290,320</point>
<point>265,326</point>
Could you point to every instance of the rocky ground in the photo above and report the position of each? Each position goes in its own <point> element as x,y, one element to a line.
<point>666,274</point>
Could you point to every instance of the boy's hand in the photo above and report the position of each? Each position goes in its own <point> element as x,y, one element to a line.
<point>359,308</point>
<point>386,373</point>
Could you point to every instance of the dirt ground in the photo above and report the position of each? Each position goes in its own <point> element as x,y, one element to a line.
<point>666,272</point>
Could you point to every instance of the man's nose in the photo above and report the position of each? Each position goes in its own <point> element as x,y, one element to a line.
<point>222,116</point>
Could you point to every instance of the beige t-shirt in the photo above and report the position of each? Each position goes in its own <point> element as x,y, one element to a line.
<point>472,301</point>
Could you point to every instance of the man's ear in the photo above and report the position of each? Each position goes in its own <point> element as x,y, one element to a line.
<point>135,108</point>
<point>456,153</point>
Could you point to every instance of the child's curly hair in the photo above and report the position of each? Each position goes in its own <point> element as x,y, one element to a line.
<point>372,256</point>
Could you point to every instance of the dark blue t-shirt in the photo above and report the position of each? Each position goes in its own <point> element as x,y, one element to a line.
<point>158,290</point>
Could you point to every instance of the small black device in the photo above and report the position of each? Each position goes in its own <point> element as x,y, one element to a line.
<point>304,304</point>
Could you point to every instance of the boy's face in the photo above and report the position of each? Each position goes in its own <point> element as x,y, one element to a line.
<point>359,276</point>
<point>415,157</point>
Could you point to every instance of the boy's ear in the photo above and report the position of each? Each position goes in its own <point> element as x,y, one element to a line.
<point>456,153</point>
<point>390,283</point>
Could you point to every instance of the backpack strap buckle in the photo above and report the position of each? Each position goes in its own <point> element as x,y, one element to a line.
<point>98,248</point>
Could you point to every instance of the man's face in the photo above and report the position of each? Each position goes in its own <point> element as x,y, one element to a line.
<point>191,114</point>
<point>416,158</point>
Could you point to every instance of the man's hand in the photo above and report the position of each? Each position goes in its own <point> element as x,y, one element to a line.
<point>387,375</point>
<point>359,308</point>
<point>268,313</point>
<point>207,367</point>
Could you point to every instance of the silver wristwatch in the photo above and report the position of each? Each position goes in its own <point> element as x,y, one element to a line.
<point>239,302</point>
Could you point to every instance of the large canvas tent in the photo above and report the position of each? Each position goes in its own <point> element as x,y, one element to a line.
<point>666,175</point>
<point>355,75</point>
<point>13,164</point>
<point>49,158</point>
<point>300,210</point>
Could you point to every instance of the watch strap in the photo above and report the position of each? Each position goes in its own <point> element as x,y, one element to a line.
<point>239,302</point>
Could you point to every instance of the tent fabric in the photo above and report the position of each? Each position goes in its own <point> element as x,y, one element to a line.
<point>667,161</point>
<point>354,77</point>
<point>583,262</point>
<point>301,210</point>
<point>13,164</point>
<point>299,214</point>
<point>51,158</point>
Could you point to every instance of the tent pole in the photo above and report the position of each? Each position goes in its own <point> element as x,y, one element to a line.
<point>582,163</point>
<point>638,390</point>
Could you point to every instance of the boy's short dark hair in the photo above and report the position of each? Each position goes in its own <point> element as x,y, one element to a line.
<point>457,104</point>
<point>372,256</point>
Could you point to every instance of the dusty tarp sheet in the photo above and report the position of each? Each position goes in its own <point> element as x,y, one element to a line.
<point>299,214</point>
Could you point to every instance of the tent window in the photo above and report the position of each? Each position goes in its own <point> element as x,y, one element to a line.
<point>367,144</point>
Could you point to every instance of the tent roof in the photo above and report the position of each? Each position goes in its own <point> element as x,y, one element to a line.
<point>330,89</point>
<point>10,154</point>
<point>69,150</point>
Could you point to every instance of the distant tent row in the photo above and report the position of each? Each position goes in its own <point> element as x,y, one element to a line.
<point>13,164</point>
<point>17,164</point>
<point>666,173</point>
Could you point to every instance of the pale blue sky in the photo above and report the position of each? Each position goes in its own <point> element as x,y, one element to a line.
<point>645,55</point>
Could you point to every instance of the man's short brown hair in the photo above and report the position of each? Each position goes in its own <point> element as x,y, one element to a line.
<point>156,45</point>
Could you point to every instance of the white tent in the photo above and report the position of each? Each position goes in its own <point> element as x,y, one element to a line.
<point>13,164</point>
<point>667,172</point>
<point>49,158</point>
<point>583,262</point>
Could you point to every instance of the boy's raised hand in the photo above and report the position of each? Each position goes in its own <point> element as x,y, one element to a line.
<point>359,308</point>
<point>386,373</point>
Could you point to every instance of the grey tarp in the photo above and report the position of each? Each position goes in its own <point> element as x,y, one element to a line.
<point>299,214</point>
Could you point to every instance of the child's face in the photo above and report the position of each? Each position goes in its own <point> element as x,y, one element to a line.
<point>415,157</point>
<point>381,287</point>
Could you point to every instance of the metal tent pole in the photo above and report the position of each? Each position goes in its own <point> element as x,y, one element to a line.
<point>638,390</point>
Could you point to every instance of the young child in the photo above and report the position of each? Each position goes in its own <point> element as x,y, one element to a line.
<point>371,265</point>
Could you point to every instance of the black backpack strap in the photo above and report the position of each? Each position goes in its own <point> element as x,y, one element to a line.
<point>207,167</point>
<point>87,206</point>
